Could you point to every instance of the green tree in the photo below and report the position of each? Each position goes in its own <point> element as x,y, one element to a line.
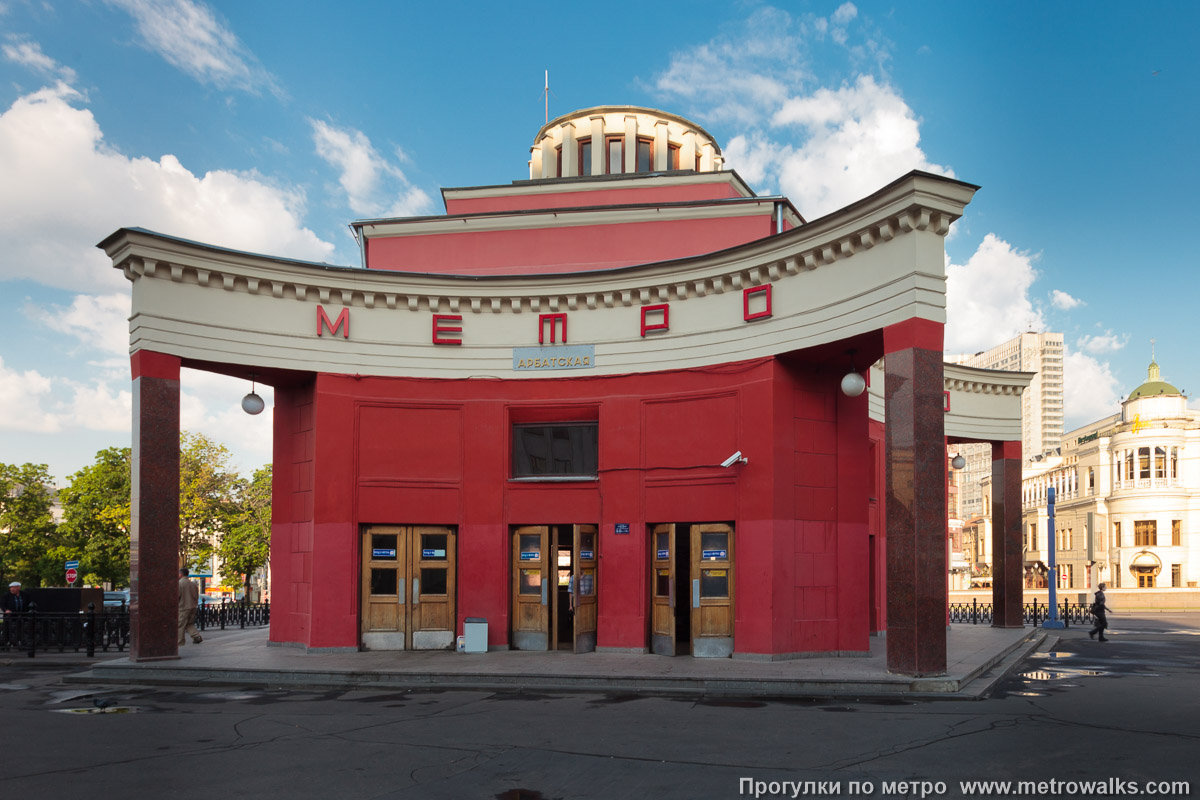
<point>28,535</point>
<point>96,517</point>
<point>245,545</point>
<point>207,495</point>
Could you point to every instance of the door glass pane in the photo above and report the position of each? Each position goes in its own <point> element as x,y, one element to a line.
<point>433,546</point>
<point>587,582</point>
<point>433,580</point>
<point>383,547</point>
<point>587,546</point>
<point>383,581</point>
<point>714,583</point>
<point>662,546</point>
<point>531,581</point>
<point>714,546</point>
<point>531,547</point>
<point>662,583</point>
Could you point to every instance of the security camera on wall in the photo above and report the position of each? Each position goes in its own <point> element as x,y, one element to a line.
<point>733,459</point>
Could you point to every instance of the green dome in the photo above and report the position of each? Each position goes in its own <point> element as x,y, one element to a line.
<point>1154,385</point>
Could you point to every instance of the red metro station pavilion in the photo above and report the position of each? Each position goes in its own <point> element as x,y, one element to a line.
<point>600,408</point>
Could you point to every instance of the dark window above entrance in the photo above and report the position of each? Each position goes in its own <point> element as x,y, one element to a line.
<point>558,450</point>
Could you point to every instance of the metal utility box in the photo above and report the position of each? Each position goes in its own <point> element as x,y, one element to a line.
<point>475,631</point>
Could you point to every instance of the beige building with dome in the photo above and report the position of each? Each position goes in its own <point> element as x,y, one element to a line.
<point>1127,498</point>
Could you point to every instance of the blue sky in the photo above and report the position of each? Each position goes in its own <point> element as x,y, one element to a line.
<point>267,126</point>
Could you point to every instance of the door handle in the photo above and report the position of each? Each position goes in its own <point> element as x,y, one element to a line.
<point>400,595</point>
<point>545,592</point>
<point>416,591</point>
<point>695,593</point>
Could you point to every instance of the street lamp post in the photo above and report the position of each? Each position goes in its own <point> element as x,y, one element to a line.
<point>1052,620</point>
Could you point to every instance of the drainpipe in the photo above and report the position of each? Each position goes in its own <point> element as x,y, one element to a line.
<point>778,217</point>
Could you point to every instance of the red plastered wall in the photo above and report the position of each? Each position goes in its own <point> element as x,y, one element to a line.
<point>716,190</point>
<point>878,534</point>
<point>562,250</point>
<point>405,451</point>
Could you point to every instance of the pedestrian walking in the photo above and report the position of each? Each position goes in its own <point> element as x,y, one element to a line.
<point>1100,613</point>
<point>189,596</point>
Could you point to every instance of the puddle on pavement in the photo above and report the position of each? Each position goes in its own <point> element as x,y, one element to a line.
<point>1028,694</point>
<point>109,710</point>
<point>230,695</point>
<point>75,694</point>
<point>1054,675</point>
<point>12,687</point>
<point>1052,654</point>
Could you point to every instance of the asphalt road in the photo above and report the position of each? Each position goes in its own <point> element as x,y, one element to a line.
<point>1126,710</point>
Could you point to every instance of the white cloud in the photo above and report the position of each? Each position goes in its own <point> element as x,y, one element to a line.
<point>28,53</point>
<point>1109,342</point>
<point>374,186</point>
<point>1062,300</point>
<point>844,13</point>
<point>1090,390</point>
<point>99,321</point>
<point>855,140</point>
<point>22,399</point>
<point>987,299</point>
<point>823,147</point>
<point>32,402</point>
<point>190,37</point>
<point>76,189</point>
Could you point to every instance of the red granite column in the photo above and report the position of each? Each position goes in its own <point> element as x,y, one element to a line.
<point>1007,557</point>
<point>154,538</point>
<point>916,498</point>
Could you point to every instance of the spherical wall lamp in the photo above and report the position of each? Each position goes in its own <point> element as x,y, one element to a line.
<point>853,383</point>
<point>958,462</point>
<point>252,403</point>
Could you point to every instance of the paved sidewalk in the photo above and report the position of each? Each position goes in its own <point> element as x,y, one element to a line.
<point>977,657</point>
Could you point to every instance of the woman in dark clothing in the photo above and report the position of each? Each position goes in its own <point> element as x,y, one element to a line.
<point>1100,612</point>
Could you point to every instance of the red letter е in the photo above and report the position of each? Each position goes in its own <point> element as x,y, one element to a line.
<point>439,328</point>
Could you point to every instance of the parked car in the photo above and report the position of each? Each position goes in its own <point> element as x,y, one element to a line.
<point>116,599</point>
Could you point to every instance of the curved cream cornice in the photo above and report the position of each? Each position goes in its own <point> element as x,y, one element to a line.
<point>985,404</point>
<point>874,263</point>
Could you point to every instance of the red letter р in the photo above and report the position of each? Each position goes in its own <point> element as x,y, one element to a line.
<point>765,290</point>
<point>664,325</point>
<point>553,319</point>
<point>343,322</point>
<point>439,328</point>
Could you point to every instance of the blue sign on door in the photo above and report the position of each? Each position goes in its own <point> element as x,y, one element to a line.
<point>664,554</point>
<point>383,552</point>
<point>587,554</point>
<point>531,555</point>
<point>714,554</point>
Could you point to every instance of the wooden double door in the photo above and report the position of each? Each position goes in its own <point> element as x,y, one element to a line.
<point>554,585</point>
<point>408,587</point>
<point>691,587</point>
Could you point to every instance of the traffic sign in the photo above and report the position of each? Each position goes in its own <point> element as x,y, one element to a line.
<point>71,575</point>
<point>72,565</point>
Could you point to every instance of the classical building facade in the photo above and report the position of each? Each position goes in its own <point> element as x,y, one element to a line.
<point>1127,497</point>
<point>601,408</point>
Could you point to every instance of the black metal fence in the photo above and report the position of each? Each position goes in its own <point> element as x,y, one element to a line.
<point>107,629</point>
<point>234,614</point>
<point>32,631</point>
<point>975,613</point>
